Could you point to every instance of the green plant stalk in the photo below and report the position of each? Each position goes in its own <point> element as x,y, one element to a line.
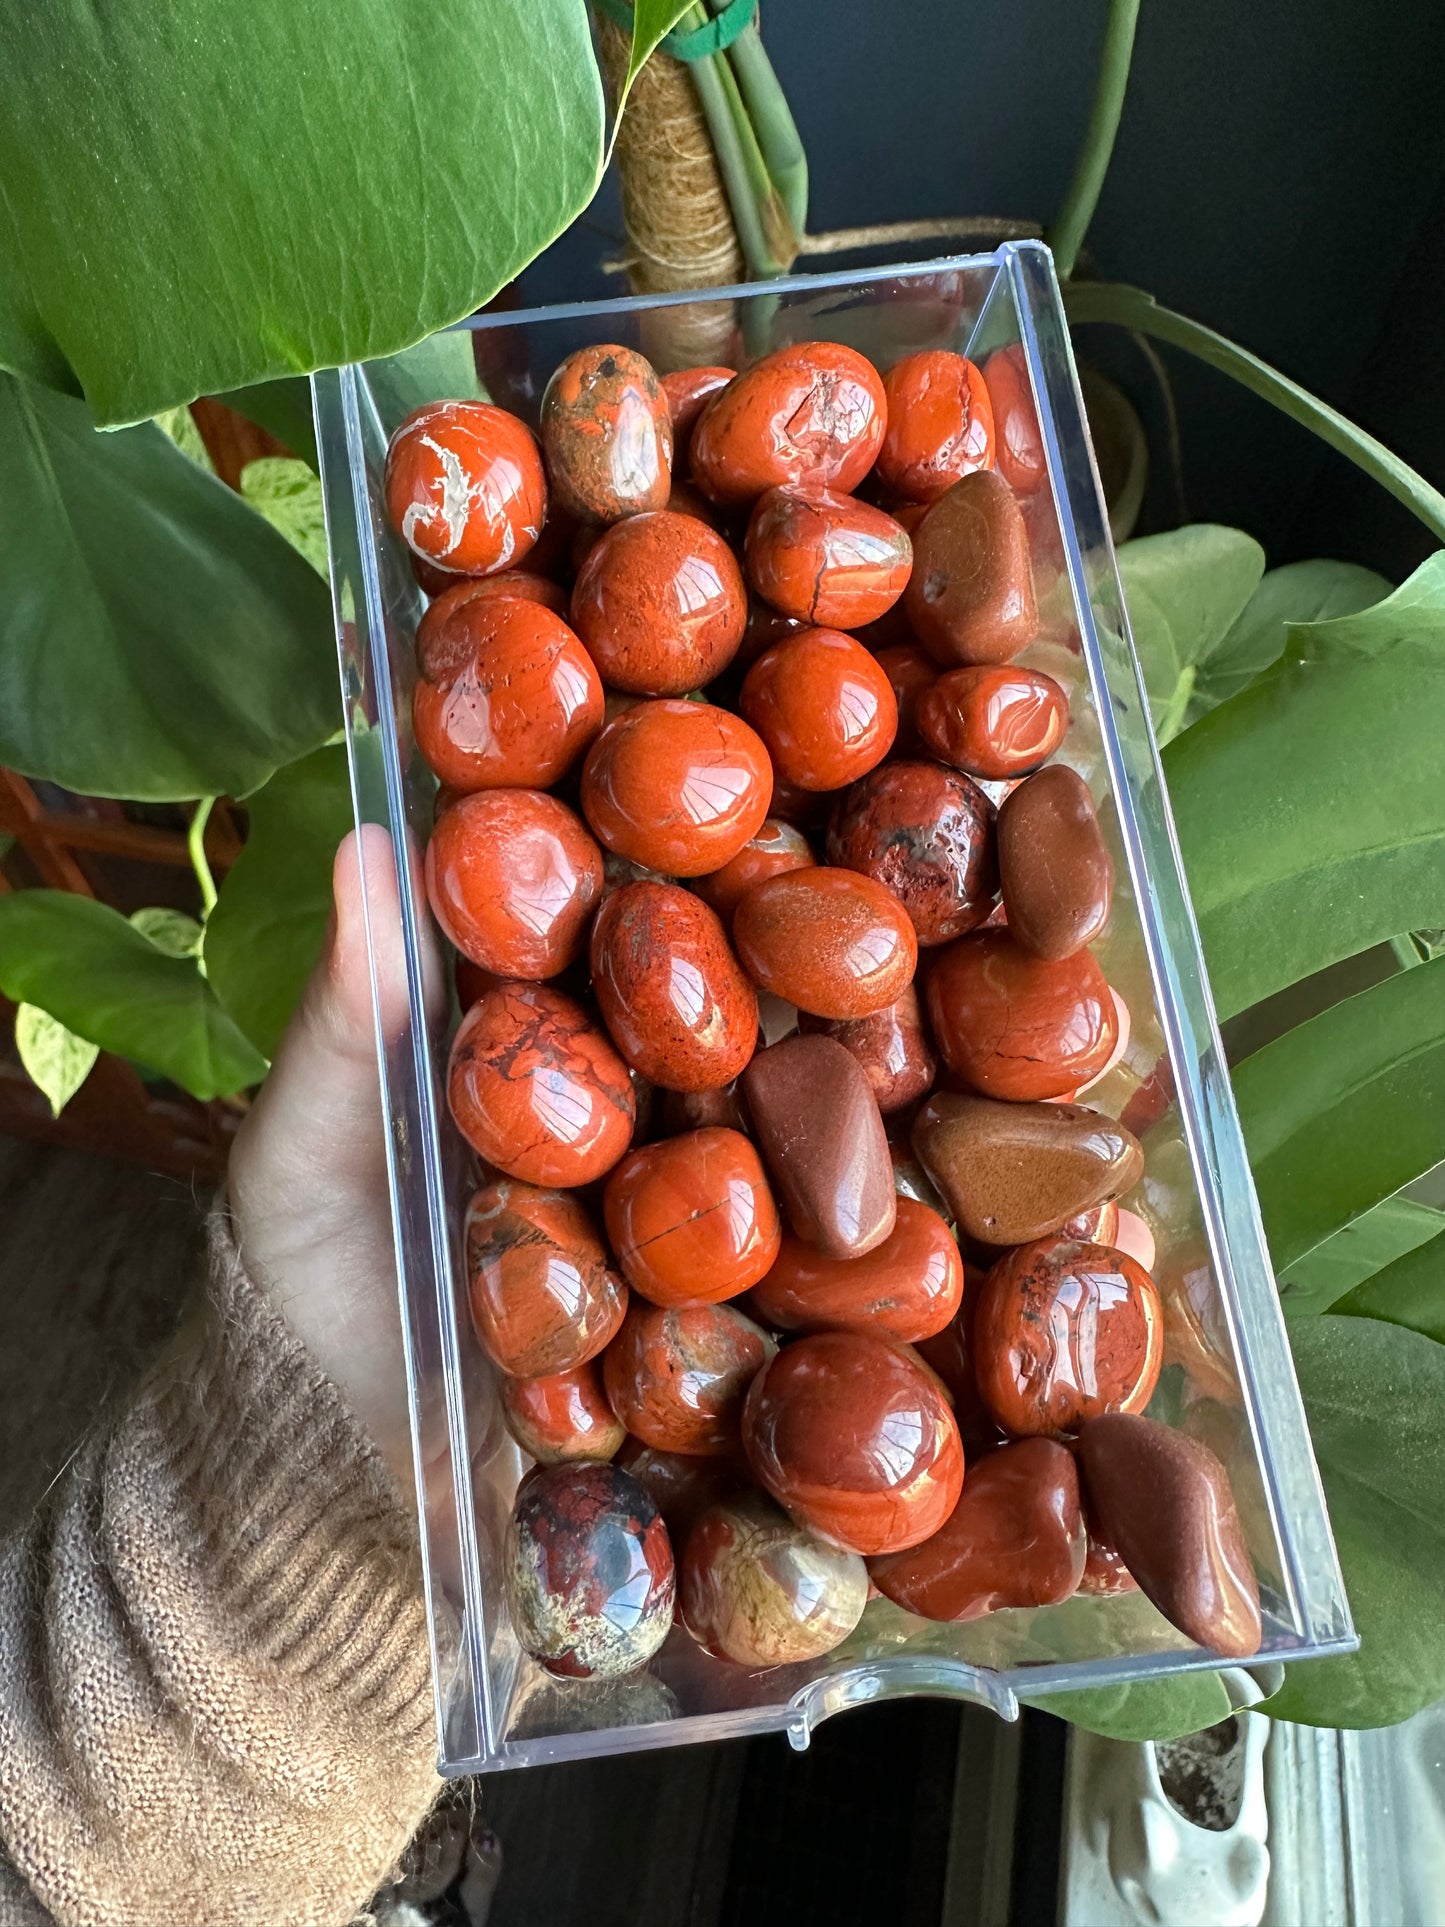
<point>772,120</point>
<point>1082,194</point>
<point>196,846</point>
<point>1132,308</point>
<point>732,162</point>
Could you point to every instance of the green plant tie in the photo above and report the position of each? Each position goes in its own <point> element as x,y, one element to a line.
<point>698,43</point>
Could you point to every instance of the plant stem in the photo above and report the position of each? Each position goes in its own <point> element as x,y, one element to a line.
<point>731,161</point>
<point>961,227</point>
<point>772,119</point>
<point>1082,195</point>
<point>1132,308</point>
<point>196,845</point>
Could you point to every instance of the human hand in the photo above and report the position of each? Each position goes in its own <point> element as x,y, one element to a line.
<point>307,1180</point>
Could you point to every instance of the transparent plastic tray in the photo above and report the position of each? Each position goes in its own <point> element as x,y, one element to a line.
<point>1227,1362</point>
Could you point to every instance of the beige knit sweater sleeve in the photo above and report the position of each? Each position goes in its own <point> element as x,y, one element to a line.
<point>215,1700</point>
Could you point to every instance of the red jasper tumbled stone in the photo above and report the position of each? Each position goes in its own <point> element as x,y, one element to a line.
<point>940,424</point>
<point>993,720</point>
<point>911,672</point>
<point>1063,1333</point>
<point>828,940</point>
<point>688,391</point>
<point>891,1046</point>
<point>826,558</point>
<point>909,1287</point>
<point>678,787</point>
<point>670,990</point>
<point>677,1376</point>
<point>512,585</point>
<point>853,1435</point>
<point>927,835</point>
<point>537,1089</point>
<point>564,1415</point>
<point>823,706</point>
<point>1020,446</point>
<point>970,597</point>
<point>542,1296</point>
<point>692,1219</point>
<point>1012,1025</point>
<point>680,1484</point>
<point>812,412</point>
<point>1015,1538</point>
<point>465,487</point>
<point>660,605</point>
<point>607,435</point>
<point>509,699</point>
<point>513,878</point>
<point>777,847</point>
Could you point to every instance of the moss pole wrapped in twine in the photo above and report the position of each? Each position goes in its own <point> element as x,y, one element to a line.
<point>674,205</point>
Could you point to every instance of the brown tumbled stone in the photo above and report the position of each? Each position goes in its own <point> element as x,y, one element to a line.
<point>1056,872</point>
<point>1011,1173</point>
<point>1164,1502</point>
<point>818,1126</point>
<point>970,597</point>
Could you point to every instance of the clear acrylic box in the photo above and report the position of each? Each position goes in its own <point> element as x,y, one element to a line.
<point>1228,1373</point>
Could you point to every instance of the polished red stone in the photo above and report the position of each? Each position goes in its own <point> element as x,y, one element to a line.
<point>453,593</point>
<point>940,425</point>
<point>511,698</point>
<point>892,1048</point>
<point>677,1377</point>
<point>826,558</point>
<point>1020,446</point>
<point>542,1297</point>
<point>823,706</point>
<point>814,1116</point>
<point>1163,1500</point>
<point>764,627</point>
<point>692,1219</point>
<point>680,1484</point>
<point>670,990</point>
<point>757,1588</point>
<point>588,1571</point>
<point>688,391</point>
<point>513,878</point>
<point>853,1436</point>
<point>909,1287</point>
<point>777,847</point>
<point>993,720</point>
<point>1105,1574</point>
<point>537,1089</point>
<point>607,435</point>
<point>812,412</point>
<point>1015,1538</point>
<point>830,941</point>
<point>697,1110</point>
<point>1065,1332</point>
<point>464,486</point>
<point>927,835</point>
<point>1012,1025</point>
<point>677,786</point>
<point>950,1354</point>
<point>970,597</point>
<point>562,1416</point>
<point>911,672</point>
<point>1055,870</point>
<point>660,605</point>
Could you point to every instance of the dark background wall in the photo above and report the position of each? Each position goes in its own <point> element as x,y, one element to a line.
<point>1279,174</point>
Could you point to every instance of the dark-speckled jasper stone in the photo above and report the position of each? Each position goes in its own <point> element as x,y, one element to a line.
<point>757,1588</point>
<point>822,1140</point>
<point>926,834</point>
<point>607,435</point>
<point>542,1296</point>
<point>970,597</point>
<point>670,990</point>
<point>1015,1538</point>
<point>1164,1501</point>
<point>589,1571</point>
<point>891,1045</point>
<point>536,1088</point>
<point>1065,1332</point>
<point>1011,1173</point>
<point>909,1287</point>
<point>826,558</point>
<point>1016,1026</point>
<point>677,1375</point>
<point>1056,872</point>
<point>853,1435</point>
